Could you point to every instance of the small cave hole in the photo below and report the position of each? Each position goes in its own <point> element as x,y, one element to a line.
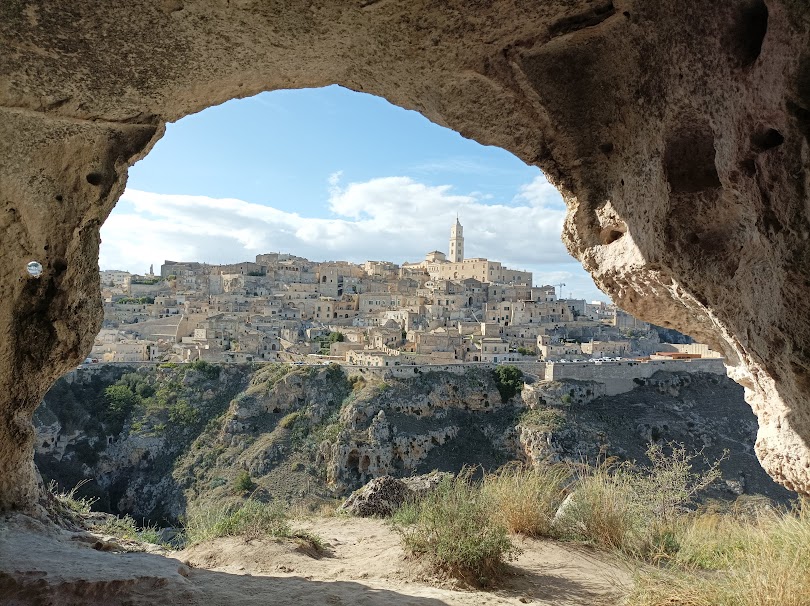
<point>94,178</point>
<point>59,197</point>
<point>689,161</point>
<point>606,148</point>
<point>610,234</point>
<point>749,31</point>
<point>766,138</point>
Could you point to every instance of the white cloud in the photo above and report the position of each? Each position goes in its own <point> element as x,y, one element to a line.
<point>391,218</point>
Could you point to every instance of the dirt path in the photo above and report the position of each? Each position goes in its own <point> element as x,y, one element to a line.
<point>364,566</point>
<point>367,552</point>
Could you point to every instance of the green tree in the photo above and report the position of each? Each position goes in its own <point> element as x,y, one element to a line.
<point>509,380</point>
<point>182,413</point>
<point>119,400</point>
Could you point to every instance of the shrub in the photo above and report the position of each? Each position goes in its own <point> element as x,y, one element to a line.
<point>183,414</point>
<point>243,482</point>
<point>208,370</point>
<point>525,499</point>
<point>120,400</point>
<point>452,528</point>
<point>69,498</point>
<point>509,380</point>
<point>633,509</point>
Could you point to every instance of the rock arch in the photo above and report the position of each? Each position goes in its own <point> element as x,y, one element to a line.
<point>677,132</point>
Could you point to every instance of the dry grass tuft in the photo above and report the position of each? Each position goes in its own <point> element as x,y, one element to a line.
<point>525,499</point>
<point>759,561</point>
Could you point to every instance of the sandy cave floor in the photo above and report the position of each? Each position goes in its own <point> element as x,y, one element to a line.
<point>364,565</point>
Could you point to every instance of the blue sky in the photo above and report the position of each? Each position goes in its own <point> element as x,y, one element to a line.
<point>332,174</point>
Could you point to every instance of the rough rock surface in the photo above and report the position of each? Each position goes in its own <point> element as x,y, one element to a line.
<point>381,497</point>
<point>308,435</point>
<point>701,411</point>
<point>676,131</point>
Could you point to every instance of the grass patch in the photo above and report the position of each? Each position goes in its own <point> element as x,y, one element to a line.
<point>525,499</point>
<point>453,529</point>
<point>637,510</point>
<point>542,418</point>
<point>250,520</point>
<point>70,500</point>
<point>760,561</point>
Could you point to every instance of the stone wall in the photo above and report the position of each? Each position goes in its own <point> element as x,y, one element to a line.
<point>621,377</point>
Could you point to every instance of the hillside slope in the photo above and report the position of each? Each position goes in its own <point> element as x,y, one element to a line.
<point>159,440</point>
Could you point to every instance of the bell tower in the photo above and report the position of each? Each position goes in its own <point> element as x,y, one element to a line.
<point>456,243</point>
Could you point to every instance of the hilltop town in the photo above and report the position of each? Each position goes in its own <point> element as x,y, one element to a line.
<point>445,309</point>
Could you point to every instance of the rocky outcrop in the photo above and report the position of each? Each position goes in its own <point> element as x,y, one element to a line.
<point>382,496</point>
<point>308,433</point>
<point>702,411</point>
<point>379,498</point>
<point>394,427</point>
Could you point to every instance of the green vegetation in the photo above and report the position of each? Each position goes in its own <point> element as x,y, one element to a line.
<point>452,527</point>
<point>250,520</point>
<point>509,380</point>
<point>136,301</point>
<point>182,413</point>
<point>542,418</point>
<point>524,351</point>
<point>644,512</point>
<point>243,483</point>
<point>287,421</point>
<point>122,528</point>
<point>326,342</point>
<point>126,528</point>
<point>69,499</point>
<point>120,401</point>
<point>154,280</point>
<point>759,558</point>
<point>208,370</point>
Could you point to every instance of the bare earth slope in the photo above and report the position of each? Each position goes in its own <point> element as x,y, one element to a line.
<point>364,565</point>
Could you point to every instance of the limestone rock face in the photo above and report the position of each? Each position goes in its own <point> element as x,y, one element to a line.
<point>676,131</point>
<point>380,497</point>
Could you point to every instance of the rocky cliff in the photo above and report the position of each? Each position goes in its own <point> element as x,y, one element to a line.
<point>161,439</point>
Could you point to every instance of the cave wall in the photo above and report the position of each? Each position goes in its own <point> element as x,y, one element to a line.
<point>676,131</point>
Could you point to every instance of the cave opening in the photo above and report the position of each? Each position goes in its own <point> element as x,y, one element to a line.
<point>320,174</point>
